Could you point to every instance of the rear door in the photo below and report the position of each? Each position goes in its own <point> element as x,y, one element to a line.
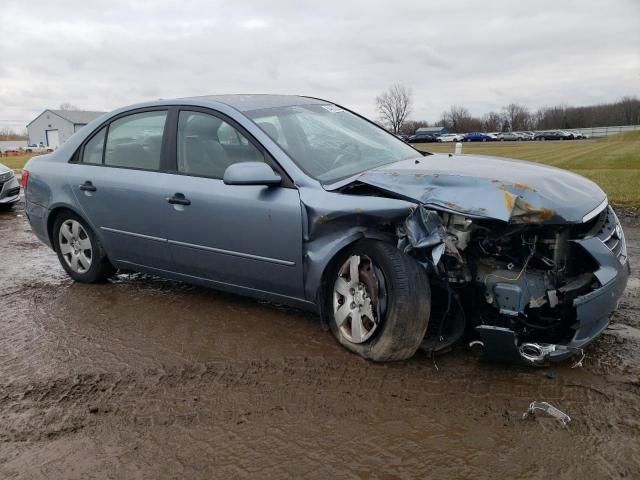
<point>120,184</point>
<point>238,235</point>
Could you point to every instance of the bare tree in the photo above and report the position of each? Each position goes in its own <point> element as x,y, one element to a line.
<point>492,122</point>
<point>458,120</point>
<point>409,127</point>
<point>517,116</point>
<point>394,106</point>
<point>68,106</point>
<point>628,111</point>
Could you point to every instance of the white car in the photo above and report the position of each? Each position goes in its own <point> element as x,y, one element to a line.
<point>450,137</point>
<point>9,188</point>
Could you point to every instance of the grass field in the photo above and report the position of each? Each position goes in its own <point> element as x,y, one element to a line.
<point>612,162</point>
<point>16,162</point>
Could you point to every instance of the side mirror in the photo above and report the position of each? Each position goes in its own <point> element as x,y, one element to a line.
<point>250,173</point>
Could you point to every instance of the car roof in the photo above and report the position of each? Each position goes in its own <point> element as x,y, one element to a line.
<point>248,102</point>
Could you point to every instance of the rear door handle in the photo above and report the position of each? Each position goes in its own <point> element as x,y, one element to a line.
<point>178,199</point>
<point>88,186</point>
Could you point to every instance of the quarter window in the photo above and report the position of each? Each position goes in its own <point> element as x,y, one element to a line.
<point>93,149</point>
<point>135,141</point>
<point>207,145</point>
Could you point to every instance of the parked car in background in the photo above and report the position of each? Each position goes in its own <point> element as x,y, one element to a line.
<point>299,201</point>
<point>576,134</point>
<point>478,137</point>
<point>510,136</point>
<point>422,138</point>
<point>527,135</point>
<point>450,137</point>
<point>33,148</point>
<point>552,135</point>
<point>9,188</point>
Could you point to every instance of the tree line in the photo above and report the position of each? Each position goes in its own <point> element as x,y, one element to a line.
<point>7,133</point>
<point>394,108</point>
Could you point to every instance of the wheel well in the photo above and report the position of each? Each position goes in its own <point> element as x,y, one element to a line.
<point>51,219</point>
<point>329,268</point>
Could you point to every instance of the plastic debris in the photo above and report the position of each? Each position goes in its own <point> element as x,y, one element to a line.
<point>547,408</point>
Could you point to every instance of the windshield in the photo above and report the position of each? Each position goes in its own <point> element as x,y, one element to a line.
<point>330,143</point>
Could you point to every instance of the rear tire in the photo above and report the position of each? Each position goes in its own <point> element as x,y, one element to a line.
<point>402,302</point>
<point>79,251</point>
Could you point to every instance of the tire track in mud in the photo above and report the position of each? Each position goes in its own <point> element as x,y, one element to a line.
<point>311,387</point>
<point>408,405</point>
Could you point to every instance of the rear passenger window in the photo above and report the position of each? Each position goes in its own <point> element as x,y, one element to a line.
<point>135,141</point>
<point>93,149</point>
<point>207,145</point>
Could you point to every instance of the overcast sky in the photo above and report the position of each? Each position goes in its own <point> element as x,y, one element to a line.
<point>483,55</point>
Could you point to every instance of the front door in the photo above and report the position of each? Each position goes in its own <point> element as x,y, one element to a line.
<point>238,235</point>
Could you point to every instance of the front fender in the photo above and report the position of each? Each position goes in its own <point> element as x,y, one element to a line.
<point>320,253</point>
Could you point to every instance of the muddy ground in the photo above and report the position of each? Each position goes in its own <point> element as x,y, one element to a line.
<point>145,378</point>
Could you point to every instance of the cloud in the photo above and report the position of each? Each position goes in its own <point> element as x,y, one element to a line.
<point>105,54</point>
<point>254,24</point>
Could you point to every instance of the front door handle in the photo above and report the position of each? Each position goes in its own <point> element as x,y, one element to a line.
<point>88,186</point>
<point>178,199</point>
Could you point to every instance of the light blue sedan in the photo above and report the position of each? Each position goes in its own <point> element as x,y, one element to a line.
<point>300,201</point>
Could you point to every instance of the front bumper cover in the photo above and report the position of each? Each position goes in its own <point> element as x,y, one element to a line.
<point>592,311</point>
<point>9,191</point>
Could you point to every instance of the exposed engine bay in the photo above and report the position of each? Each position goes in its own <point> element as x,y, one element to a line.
<point>513,286</point>
<point>525,270</point>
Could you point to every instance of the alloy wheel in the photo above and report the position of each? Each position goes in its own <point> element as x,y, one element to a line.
<point>359,297</point>
<point>75,246</point>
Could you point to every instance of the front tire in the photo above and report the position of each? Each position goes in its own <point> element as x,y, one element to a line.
<point>379,302</point>
<point>79,251</point>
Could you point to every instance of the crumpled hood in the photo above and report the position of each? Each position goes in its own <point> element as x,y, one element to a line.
<point>4,169</point>
<point>510,190</point>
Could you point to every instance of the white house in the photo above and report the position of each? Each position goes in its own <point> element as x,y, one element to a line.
<point>53,127</point>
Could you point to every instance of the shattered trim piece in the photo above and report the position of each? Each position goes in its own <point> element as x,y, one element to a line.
<point>423,228</point>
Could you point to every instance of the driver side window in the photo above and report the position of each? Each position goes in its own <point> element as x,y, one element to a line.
<point>207,145</point>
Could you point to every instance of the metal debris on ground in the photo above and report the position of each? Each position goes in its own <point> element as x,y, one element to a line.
<point>548,408</point>
<point>579,362</point>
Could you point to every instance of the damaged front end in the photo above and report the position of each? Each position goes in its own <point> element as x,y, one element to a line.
<point>532,292</point>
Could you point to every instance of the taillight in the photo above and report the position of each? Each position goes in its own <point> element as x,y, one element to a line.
<point>25,179</point>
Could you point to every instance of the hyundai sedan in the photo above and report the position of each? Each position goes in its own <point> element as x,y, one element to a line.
<point>300,201</point>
